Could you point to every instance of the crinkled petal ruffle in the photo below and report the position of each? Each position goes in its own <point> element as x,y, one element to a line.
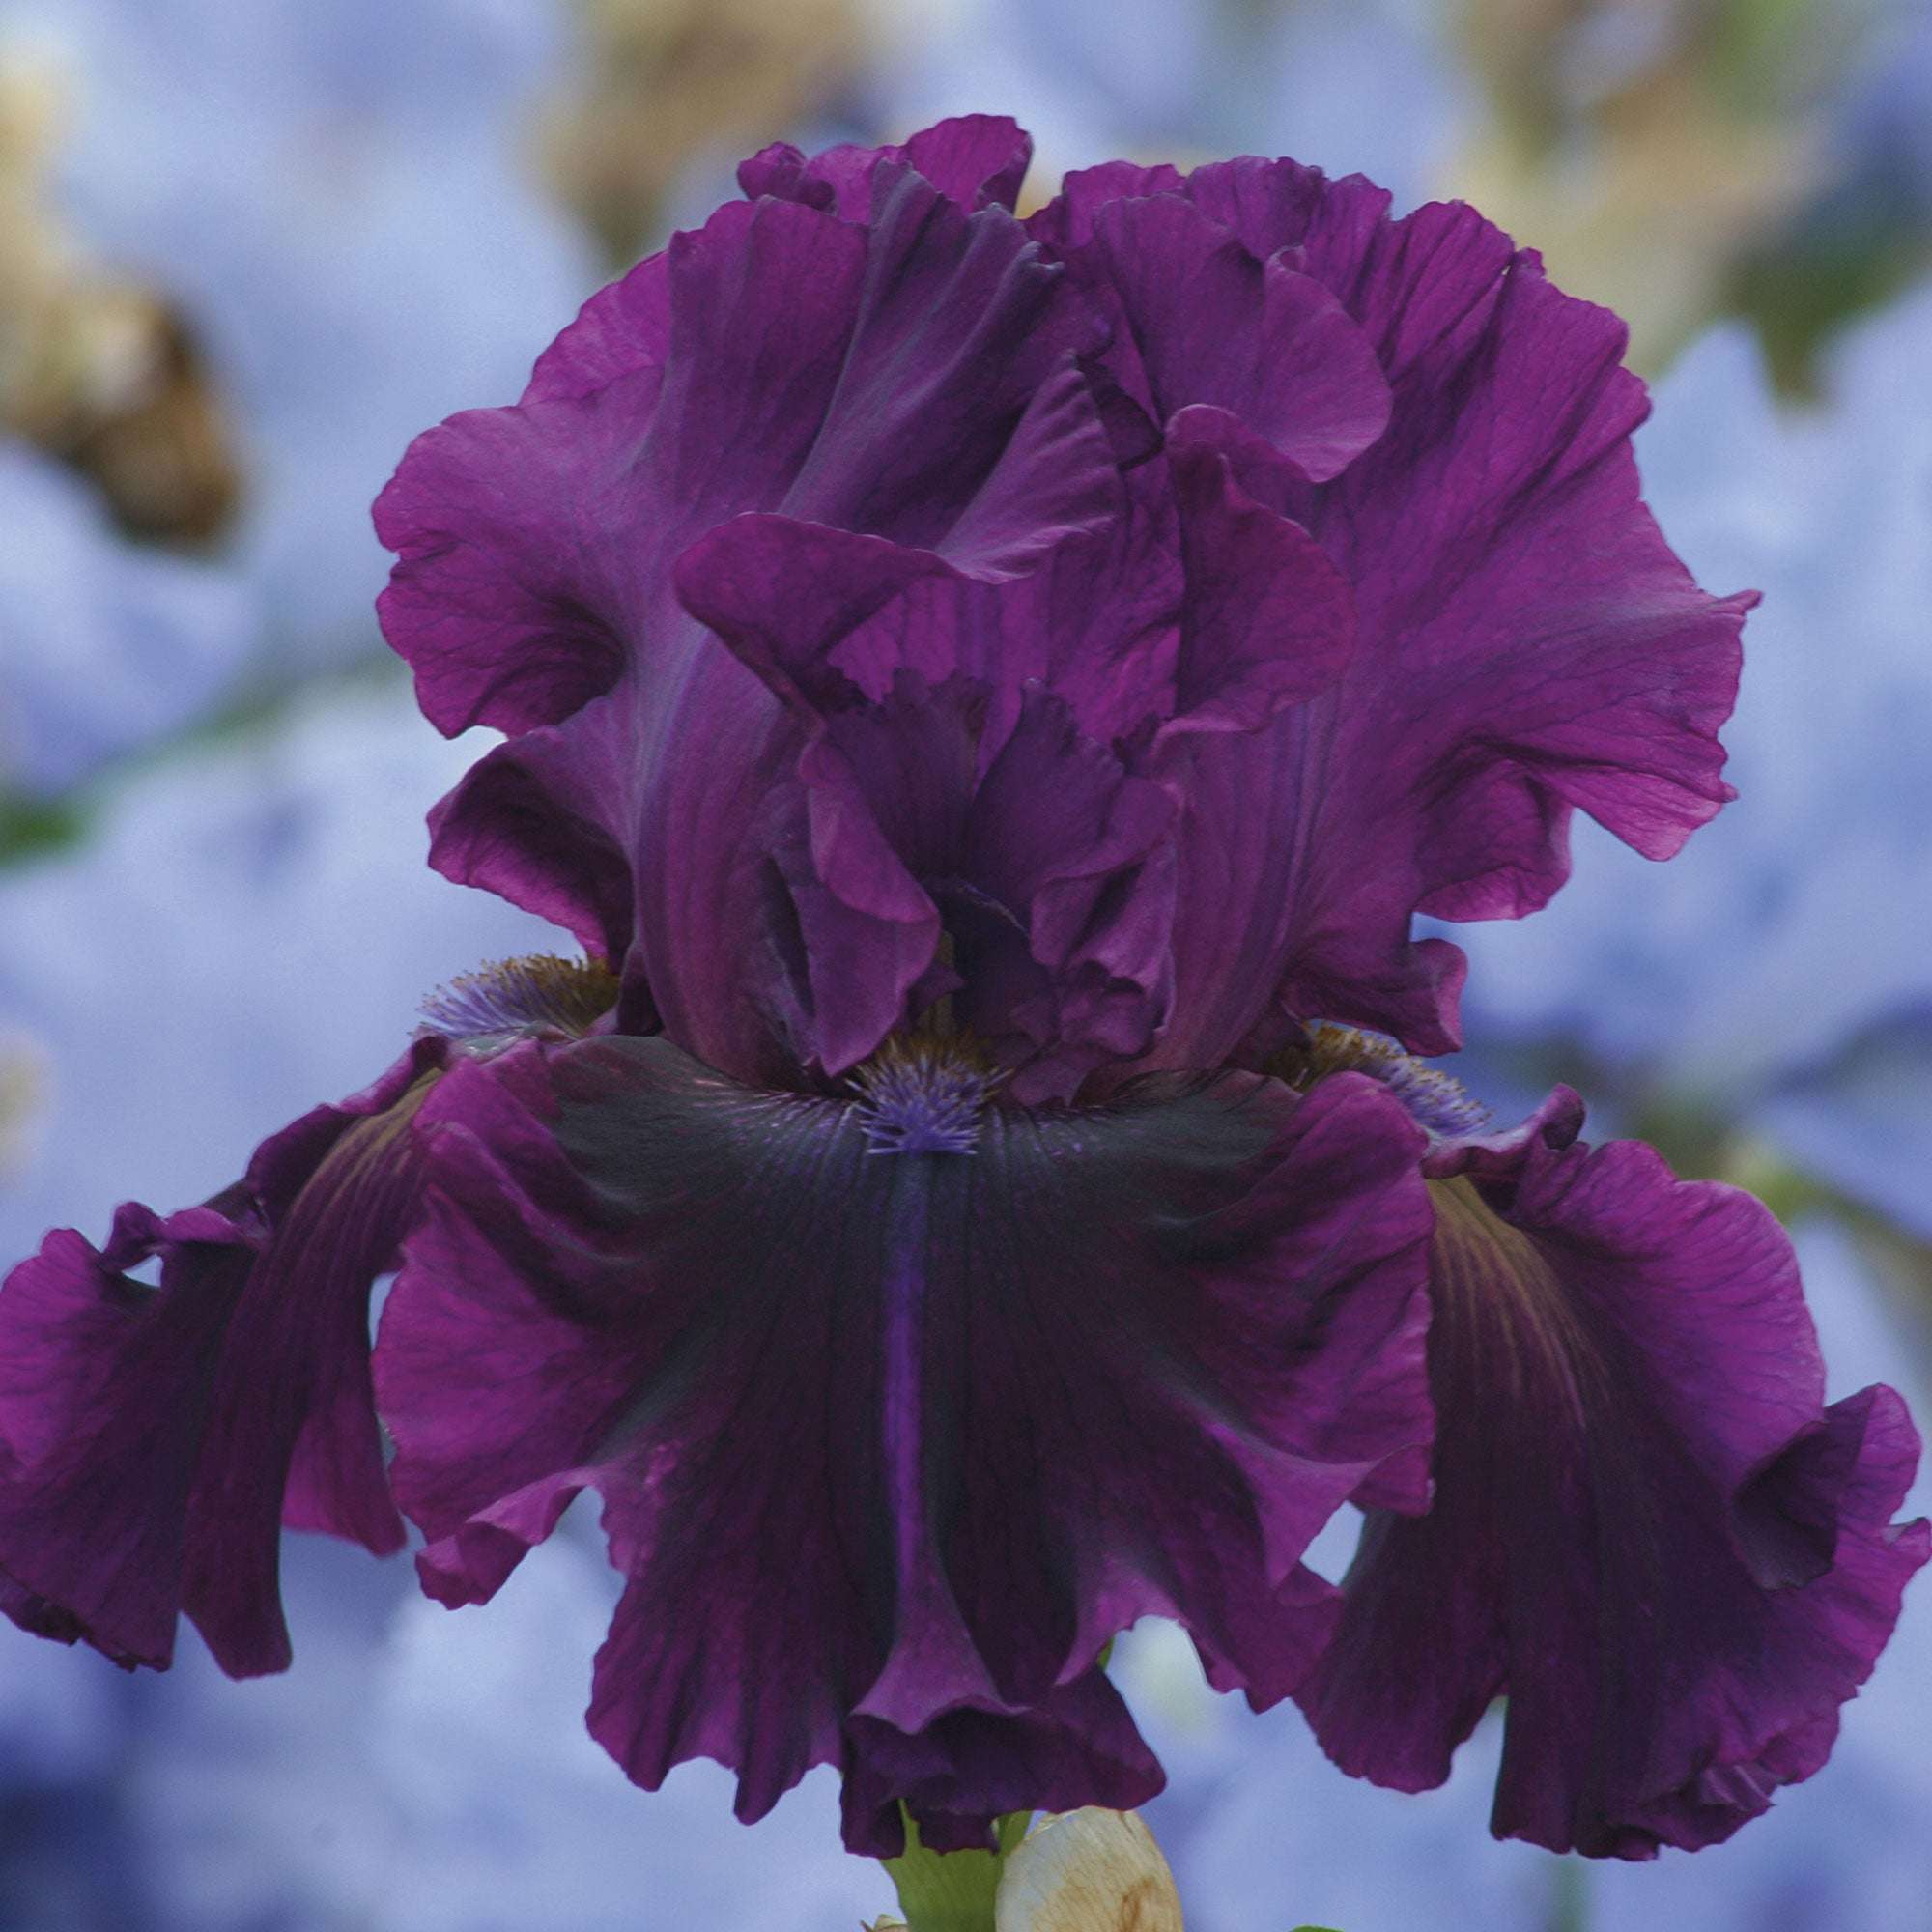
<point>901,1440</point>
<point>157,1438</point>
<point>1649,1532</point>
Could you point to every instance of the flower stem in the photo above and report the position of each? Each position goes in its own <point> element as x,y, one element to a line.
<point>952,1892</point>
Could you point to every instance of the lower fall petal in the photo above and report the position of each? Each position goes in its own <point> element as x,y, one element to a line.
<point>1649,1533</point>
<point>891,1443</point>
<point>971,1766</point>
<point>156,1437</point>
<point>95,1498</point>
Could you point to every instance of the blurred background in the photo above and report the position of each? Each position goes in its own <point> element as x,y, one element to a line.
<point>247,251</point>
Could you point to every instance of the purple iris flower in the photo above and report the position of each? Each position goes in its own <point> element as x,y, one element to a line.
<point>990,697</point>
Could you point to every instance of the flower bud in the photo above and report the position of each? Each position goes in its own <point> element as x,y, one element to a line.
<point>1090,1870</point>
<point>22,1091</point>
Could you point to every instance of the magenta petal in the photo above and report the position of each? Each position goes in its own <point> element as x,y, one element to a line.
<point>649,797</point>
<point>1528,642</point>
<point>528,822</point>
<point>1254,618</point>
<point>814,610</point>
<point>1068,221</point>
<point>95,1500</point>
<point>157,1437</point>
<point>622,330</point>
<point>1049,865</point>
<point>1212,617</point>
<point>1210,323</point>
<point>973,807</point>
<point>1527,645</point>
<point>477,500</point>
<point>1268,620</point>
<point>1503,513</point>
<point>1326,525</point>
<point>292,1433</point>
<point>900,1438</point>
<point>970,1767</point>
<point>1064,836</point>
<point>783,594</point>
<point>1649,1534</point>
<point>978,161</point>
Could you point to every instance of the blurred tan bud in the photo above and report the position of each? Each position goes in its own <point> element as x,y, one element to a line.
<point>22,1084</point>
<point>1088,1871</point>
<point>1644,147</point>
<point>662,80</point>
<point>97,370</point>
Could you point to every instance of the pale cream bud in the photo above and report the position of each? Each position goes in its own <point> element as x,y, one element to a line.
<point>22,1092</point>
<point>1088,1871</point>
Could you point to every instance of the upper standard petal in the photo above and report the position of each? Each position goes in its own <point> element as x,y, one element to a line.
<point>978,161</point>
<point>910,377</point>
<point>1326,524</point>
<point>1526,643</point>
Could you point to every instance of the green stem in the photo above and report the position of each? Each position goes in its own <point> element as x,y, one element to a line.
<point>952,1892</point>
<point>1570,1896</point>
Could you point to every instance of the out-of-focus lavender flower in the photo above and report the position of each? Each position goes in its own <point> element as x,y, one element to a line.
<point>1644,147</point>
<point>273,890</point>
<point>298,851</point>
<point>1374,86</point>
<point>103,646</point>
<point>1883,136</point>
<point>1769,980</point>
<point>512,1816</point>
<point>983,693</point>
<point>345,217</point>
<point>1864,231</point>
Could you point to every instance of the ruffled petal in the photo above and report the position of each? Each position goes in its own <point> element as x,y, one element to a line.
<point>104,1387</point>
<point>1527,644</point>
<point>528,823</point>
<point>960,773</point>
<point>157,1437</point>
<point>978,161</point>
<point>1208,325</point>
<point>1267,621</point>
<point>971,1766</point>
<point>1649,1533</point>
<point>1324,522</point>
<point>535,542</point>
<point>901,1436</point>
<point>915,377</point>
<point>478,501</point>
<point>924,808</point>
<point>1046,868</point>
<point>1063,832</point>
<point>622,331</point>
<point>1066,223</point>
<point>1198,609</point>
